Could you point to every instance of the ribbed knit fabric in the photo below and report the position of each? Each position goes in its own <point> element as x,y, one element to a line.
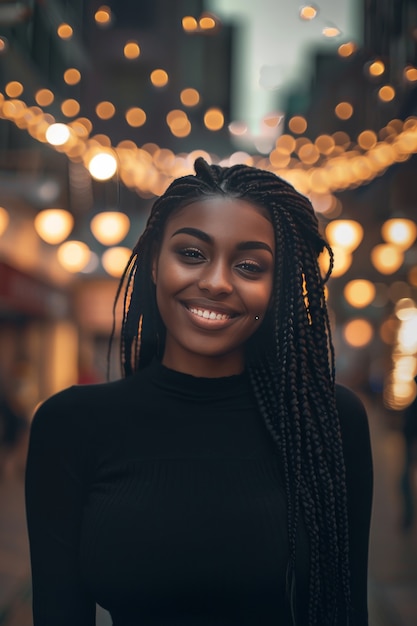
<point>161,498</point>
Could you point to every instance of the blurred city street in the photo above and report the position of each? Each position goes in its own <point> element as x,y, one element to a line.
<point>393,552</point>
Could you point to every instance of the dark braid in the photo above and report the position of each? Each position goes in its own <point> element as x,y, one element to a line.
<point>290,360</point>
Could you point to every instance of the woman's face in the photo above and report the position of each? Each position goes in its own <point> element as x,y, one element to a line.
<point>213,275</point>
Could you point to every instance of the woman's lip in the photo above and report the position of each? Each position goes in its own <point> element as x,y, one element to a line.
<point>213,307</point>
<point>220,321</point>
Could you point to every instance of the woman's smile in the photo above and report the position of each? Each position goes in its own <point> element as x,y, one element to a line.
<point>213,275</point>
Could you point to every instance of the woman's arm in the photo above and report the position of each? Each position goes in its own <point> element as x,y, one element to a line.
<point>359,478</point>
<point>55,477</point>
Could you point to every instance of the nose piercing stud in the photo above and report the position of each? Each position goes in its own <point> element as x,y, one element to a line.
<point>256,317</point>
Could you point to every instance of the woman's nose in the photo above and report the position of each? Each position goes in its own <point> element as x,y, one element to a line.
<point>216,279</point>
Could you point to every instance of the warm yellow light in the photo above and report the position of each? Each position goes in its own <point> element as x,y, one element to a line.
<point>388,331</point>
<point>341,262</point>
<point>297,124</point>
<point>341,139</point>
<point>105,110</point>
<point>308,153</point>
<point>44,97</point>
<point>207,23</point>
<point>279,157</point>
<point>103,16</point>
<point>159,78</point>
<point>103,165</point>
<point>135,117</point>
<point>176,115</point>
<point>331,31</point>
<point>58,134</point>
<point>344,110</point>
<point>14,89</point>
<point>410,74</point>
<point>377,68</point>
<point>346,49</point>
<point>4,220</point>
<point>3,44</point>
<point>70,107</point>
<point>214,119</point>
<point>82,123</point>
<point>72,76</point>
<point>399,395</point>
<point>110,227</point>
<point>399,231</point>
<point>65,31</point>
<point>367,139</point>
<point>345,234</point>
<point>131,50</point>
<point>308,12</point>
<point>325,144</point>
<point>406,309</point>
<point>181,128</point>
<point>189,23</point>
<point>73,255</point>
<point>286,143</point>
<point>386,93</point>
<point>190,97</point>
<point>115,260</point>
<point>358,333</point>
<point>387,258</point>
<point>359,293</point>
<point>54,225</point>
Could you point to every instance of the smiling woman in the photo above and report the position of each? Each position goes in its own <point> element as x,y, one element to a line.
<point>226,480</point>
<point>213,275</point>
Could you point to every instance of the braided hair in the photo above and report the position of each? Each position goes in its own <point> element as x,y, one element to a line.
<point>290,361</point>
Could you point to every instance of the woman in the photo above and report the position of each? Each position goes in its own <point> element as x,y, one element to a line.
<point>226,479</point>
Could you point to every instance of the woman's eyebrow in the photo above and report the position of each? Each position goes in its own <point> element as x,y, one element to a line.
<point>254,245</point>
<point>195,232</point>
<point>244,245</point>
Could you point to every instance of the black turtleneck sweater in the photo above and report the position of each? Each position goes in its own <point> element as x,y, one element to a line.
<point>160,497</point>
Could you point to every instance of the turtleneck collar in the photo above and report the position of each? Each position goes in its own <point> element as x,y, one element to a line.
<point>187,385</point>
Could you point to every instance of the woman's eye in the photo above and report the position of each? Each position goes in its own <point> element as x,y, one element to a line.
<point>250,267</point>
<point>191,253</point>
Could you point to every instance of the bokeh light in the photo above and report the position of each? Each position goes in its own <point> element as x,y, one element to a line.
<point>110,227</point>
<point>358,333</point>
<point>54,225</point>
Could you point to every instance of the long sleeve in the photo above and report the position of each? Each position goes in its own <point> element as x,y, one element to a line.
<point>359,477</point>
<point>54,500</point>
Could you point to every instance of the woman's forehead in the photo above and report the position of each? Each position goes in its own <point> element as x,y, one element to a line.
<point>205,207</point>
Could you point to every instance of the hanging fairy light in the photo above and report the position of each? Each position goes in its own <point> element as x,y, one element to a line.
<point>103,165</point>
<point>346,234</point>
<point>359,293</point>
<point>57,134</point>
<point>110,227</point>
<point>54,225</point>
<point>399,231</point>
<point>387,258</point>
<point>308,12</point>
<point>114,260</point>
<point>73,255</point>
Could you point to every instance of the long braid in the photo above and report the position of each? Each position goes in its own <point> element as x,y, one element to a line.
<point>292,377</point>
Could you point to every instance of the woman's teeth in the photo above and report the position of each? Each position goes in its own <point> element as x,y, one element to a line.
<point>209,315</point>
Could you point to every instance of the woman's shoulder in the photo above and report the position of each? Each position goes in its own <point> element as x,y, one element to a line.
<point>349,405</point>
<point>88,405</point>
